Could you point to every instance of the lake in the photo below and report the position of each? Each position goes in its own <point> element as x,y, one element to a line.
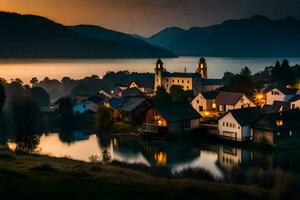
<point>182,153</point>
<point>25,69</point>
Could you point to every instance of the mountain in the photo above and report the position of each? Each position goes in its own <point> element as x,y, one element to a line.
<point>256,36</point>
<point>98,32</point>
<point>166,37</point>
<point>138,37</point>
<point>29,36</point>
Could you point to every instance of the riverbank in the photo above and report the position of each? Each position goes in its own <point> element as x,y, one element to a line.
<point>42,177</point>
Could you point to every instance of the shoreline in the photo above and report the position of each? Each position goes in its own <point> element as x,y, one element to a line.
<point>44,175</point>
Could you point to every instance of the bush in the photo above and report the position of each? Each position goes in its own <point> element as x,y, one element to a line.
<point>44,167</point>
<point>195,173</point>
<point>103,117</point>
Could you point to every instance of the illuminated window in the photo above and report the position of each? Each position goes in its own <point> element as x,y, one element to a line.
<point>279,123</point>
<point>214,105</point>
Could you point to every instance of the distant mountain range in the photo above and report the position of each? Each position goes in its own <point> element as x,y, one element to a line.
<point>254,36</point>
<point>28,36</point>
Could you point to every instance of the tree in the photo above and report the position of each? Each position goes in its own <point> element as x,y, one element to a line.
<point>240,83</point>
<point>177,93</point>
<point>34,81</point>
<point>246,72</point>
<point>103,117</point>
<point>189,94</point>
<point>26,123</point>
<point>65,108</point>
<point>40,96</point>
<point>227,76</point>
<point>2,97</point>
<point>162,95</point>
<point>282,73</point>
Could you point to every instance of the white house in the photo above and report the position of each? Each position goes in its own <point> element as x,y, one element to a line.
<point>236,124</point>
<point>232,100</point>
<point>279,94</point>
<point>295,102</point>
<point>205,103</point>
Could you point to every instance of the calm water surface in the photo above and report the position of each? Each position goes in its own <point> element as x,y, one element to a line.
<point>79,68</point>
<point>177,155</point>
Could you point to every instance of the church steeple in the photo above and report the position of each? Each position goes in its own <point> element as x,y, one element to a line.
<point>202,68</point>
<point>159,69</point>
<point>159,64</point>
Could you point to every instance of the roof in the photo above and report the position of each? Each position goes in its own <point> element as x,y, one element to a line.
<point>180,74</point>
<point>276,107</point>
<point>228,98</point>
<point>95,99</point>
<point>202,60</point>
<point>295,98</point>
<point>246,116</point>
<point>210,94</point>
<point>284,90</point>
<point>212,82</point>
<point>132,92</point>
<point>126,103</point>
<point>116,102</point>
<point>177,111</point>
<point>159,61</point>
<point>131,103</point>
<point>144,84</point>
<point>290,120</point>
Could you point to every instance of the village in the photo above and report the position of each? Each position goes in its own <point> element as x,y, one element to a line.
<point>269,117</point>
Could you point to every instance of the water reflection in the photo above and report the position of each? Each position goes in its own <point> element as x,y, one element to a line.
<point>80,68</point>
<point>177,155</point>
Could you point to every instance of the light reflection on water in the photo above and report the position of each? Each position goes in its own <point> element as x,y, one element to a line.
<point>177,155</point>
<point>25,69</point>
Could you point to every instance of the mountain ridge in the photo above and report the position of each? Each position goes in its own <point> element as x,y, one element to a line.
<point>31,36</point>
<point>256,36</point>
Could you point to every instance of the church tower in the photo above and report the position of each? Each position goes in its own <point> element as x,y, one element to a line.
<point>159,69</point>
<point>202,68</point>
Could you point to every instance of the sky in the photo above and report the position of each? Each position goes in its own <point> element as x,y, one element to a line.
<point>146,17</point>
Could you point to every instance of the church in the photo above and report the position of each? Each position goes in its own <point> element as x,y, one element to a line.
<point>197,81</point>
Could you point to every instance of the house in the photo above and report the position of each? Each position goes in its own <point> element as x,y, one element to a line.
<point>105,95</point>
<point>295,102</point>
<point>232,100</point>
<point>274,93</point>
<point>130,109</point>
<point>273,128</point>
<point>236,124</point>
<point>171,118</point>
<point>145,87</point>
<point>132,92</point>
<point>278,106</point>
<point>205,103</point>
<point>189,81</point>
<point>89,104</point>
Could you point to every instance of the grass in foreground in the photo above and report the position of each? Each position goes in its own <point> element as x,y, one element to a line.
<point>42,177</point>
